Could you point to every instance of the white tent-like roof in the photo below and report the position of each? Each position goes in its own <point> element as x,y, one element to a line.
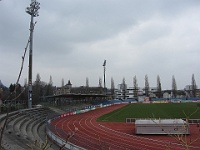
<point>161,126</point>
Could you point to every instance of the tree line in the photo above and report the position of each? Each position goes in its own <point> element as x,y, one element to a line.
<point>192,91</point>
<point>41,88</point>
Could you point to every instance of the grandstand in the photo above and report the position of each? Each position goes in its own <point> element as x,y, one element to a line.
<point>24,127</point>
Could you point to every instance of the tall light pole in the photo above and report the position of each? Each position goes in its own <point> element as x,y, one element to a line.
<point>33,11</point>
<point>104,75</point>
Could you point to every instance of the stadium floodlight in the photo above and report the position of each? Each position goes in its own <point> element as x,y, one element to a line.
<point>33,11</point>
<point>104,67</point>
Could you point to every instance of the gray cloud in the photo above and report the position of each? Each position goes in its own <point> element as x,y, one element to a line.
<point>72,39</point>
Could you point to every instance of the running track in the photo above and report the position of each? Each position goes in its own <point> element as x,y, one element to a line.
<point>84,131</point>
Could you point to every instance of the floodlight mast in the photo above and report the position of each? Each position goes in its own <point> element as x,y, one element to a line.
<point>104,75</point>
<point>33,11</point>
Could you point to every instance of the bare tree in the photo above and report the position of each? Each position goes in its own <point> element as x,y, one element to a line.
<point>62,86</point>
<point>100,82</point>
<point>124,88</point>
<point>146,86</point>
<point>112,87</point>
<point>49,90</point>
<point>62,83</point>
<point>174,87</point>
<point>38,79</point>
<point>181,138</point>
<point>50,81</point>
<point>87,82</point>
<point>194,86</point>
<point>37,145</point>
<point>135,87</point>
<point>159,88</point>
<point>37,89</point>
<point>19,76</point>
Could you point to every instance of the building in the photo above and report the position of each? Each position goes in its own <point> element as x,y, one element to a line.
<point>122,92</point>
<point>69,95</point>
<point>68,89</point>
<point>190,92</point>
<point>64,90</point>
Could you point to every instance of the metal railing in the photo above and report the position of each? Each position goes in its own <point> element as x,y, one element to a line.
<point>51,130</point>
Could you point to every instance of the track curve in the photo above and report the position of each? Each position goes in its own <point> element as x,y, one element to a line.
<point>83,130</point>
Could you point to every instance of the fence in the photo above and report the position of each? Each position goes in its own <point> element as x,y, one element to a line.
<point>190,121</point>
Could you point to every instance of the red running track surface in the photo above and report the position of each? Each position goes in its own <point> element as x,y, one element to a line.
<point>84,131</point>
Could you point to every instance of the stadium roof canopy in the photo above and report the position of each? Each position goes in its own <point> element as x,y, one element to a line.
<point>76,95</point>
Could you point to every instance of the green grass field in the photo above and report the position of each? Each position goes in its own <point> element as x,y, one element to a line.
<point>167,110</point>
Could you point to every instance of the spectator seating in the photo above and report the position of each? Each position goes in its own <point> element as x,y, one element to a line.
<point>24,127</point>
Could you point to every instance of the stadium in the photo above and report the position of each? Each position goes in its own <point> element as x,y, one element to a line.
<point>112,125</point>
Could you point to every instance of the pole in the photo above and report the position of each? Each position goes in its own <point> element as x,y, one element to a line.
<point>30,90</point>
<point>33,11</point>
<point>104,80</point>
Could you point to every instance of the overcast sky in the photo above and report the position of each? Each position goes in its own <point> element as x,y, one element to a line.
<point>73,37</point>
